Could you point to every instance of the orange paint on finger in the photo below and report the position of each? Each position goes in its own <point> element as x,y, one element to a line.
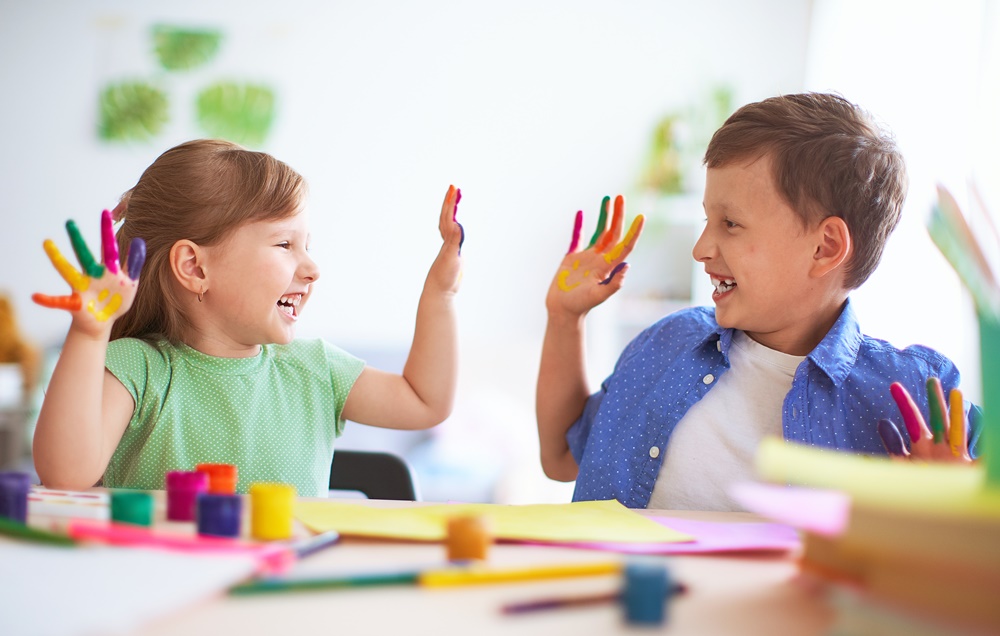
<point>69,303</point>
<point>616,225</point>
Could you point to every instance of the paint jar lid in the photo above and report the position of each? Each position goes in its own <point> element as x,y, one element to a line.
<point>14,487</point>
<point>132,506</point>
<point>468,538</point>
<point>646,592</point>
<point>187,480</point>
<point>268,492</point>
<point>221,477</point>
<point>219,514</point>
<point>14,482</point>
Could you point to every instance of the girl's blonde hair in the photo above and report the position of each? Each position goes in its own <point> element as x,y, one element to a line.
<point>201,191</point>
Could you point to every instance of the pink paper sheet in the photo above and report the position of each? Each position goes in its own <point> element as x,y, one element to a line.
<point>817,510</point>
<point>710,537</point>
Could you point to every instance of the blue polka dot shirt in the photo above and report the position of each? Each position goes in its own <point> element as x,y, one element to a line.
<point>838,394</point>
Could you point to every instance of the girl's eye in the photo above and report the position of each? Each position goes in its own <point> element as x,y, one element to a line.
<point>285,245</point>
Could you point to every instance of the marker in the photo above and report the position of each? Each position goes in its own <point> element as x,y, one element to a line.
<point>935,397</point>
<point>18,530</point>
<point>956,428</point>
<point>559,602</point>
<point>477,575</point>
<point>310,545</point>
<point>274,558</point>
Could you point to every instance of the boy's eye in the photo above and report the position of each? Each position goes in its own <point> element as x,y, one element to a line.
<point>730,224</point>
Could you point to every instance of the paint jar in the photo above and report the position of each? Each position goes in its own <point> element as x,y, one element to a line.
<point>14,488</point>
<point>469,538</point>
<point>271,511</point>
<point>221,477</point>
<point>646,592</point>
<point>132,506</point>
<point>219,515</point>
<point>183,488</point>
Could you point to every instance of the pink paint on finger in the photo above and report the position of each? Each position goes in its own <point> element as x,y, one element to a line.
<point>912,418</point>
<point>577,226</point>
<point>458,198</point>
<point>108,242</point>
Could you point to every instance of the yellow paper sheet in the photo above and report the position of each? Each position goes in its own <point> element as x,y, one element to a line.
<point>584,521</point>
<point>879,480</point>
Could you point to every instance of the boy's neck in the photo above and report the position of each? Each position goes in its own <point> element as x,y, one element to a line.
<point>807,330</point>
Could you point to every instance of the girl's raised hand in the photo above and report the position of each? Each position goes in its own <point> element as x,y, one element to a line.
<point>446,271</point>
<point>102,291</point>
<point>588,277</point>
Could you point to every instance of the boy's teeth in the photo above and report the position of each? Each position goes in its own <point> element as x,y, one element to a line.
<point>723,285</point>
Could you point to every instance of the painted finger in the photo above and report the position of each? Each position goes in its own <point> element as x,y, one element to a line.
<point>577,226</point>
<point>939,415</point>
<point>76,280</point>
<point>892,439</point>
<point>136,257</point>
<point>914,421</point>
<point>448,211</point>
<point>625,246</point>
<point>602,222</point>
<point>83,255</point>
<point>956,426</point>
<point>611,236</point>
<point>108,242</point>
<point>458,199</point>
<point>69,303</point>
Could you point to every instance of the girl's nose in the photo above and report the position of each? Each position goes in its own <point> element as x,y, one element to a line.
<point>309,269</point>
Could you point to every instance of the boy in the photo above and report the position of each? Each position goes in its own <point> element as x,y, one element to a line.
<point>802,192</point>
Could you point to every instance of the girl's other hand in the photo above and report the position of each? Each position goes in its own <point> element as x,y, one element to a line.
<point>446,271</point>
<point>588,277</point>
<point>102,291</point>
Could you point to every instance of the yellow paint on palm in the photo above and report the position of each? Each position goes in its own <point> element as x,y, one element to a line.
<point>562,279</point>
<point>108,309</point>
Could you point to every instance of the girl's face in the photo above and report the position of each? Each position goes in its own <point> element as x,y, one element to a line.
<point>259,279</point>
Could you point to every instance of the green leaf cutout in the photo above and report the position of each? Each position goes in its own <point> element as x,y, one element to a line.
<point>181,49</point>
<point>131,111</point>
<point>242,113</point>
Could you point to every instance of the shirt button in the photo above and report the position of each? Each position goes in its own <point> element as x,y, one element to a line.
<point>718,345</point>
<point>708,379</point>
<point>795,411</point>
<point>654,452</point>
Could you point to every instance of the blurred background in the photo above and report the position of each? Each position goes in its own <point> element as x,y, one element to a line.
<point>534,109</point>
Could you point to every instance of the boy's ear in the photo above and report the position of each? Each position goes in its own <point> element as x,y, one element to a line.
<point>187,260</point>
<point>833,246</point>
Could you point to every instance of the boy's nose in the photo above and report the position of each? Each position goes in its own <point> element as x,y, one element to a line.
<point>702,247</point>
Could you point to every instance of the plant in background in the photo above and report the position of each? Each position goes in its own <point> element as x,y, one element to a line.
<point>184,49</point>
<point>131,111</point>
<point>239,112</point>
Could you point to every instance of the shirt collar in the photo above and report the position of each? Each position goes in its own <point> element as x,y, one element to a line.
<point>834,355</point>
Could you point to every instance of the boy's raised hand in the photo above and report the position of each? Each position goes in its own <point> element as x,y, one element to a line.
<point>102,291</point>
<point>589,276</point>
<point>446,271</point>
<point>943,441</point>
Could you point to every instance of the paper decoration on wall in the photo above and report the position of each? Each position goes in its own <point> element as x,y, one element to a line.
<point>139,109</point>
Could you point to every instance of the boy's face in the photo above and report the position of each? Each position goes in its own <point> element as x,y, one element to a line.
<point>759,256</point>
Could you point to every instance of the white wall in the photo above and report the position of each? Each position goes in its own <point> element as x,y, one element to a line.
<point>535,109</point>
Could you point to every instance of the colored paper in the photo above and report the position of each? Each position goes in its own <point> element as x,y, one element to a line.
<point>709,537</point>
<point>879,480</point>
<point>822,511</point>
<point>64,503</point>
<point>583,521</point>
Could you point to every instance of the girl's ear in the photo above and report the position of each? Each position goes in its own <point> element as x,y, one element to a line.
<point>833,246</point>
<point>187,260</point>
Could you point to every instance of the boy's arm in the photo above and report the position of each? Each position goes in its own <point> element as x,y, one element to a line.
<point>85,409</point>
<point>585,279</point>
<point>424,394</point>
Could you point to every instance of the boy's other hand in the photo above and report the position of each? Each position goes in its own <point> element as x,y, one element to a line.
<point>102,291</point>
<point>944,440</point>
<point>589,276</point>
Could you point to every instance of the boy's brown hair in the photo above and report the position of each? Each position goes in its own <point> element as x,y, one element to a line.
<point>830,158</point>
<point>201,191</point>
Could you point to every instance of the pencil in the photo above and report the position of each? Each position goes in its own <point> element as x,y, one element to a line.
<point>265,586</point>
<point>477,575</point>
<point>573,601</point>
<point>19,530</point>
<point>313,544</point>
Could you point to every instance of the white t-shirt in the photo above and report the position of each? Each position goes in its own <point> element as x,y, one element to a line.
<point>714,444</point>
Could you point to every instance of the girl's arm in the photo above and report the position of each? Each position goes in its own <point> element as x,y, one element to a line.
<point>585,279</point>
<point>86,409</point>
<point>425,392</point>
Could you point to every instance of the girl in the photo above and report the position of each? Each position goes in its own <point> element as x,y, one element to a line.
<point>205,367</point>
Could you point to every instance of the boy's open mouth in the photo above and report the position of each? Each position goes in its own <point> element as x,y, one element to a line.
<point>722,285</point>
<point>290,304</point>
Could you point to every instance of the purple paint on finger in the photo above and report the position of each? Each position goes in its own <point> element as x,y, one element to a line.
<point>617,269</point>
<point>136,257</point>
<point>892,439</point>
<point>461,241</point>
<point>108,242</point>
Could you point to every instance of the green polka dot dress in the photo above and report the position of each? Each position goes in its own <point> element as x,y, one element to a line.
<point>275,416</point>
